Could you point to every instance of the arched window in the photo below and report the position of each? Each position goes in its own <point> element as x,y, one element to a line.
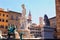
<point>6,15</point>
<point>3,14</point>
<point>6,20</point>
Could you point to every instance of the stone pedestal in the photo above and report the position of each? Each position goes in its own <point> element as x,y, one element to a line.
<point>47,32</point>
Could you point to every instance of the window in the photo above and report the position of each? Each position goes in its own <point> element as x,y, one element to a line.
<point>2,20</point>
<point>3,14</point>
<point>12,17</point>
<point>6,20</point>
<point>1,26</point>
<point>7,15</point>
<point>31,32</point>
<point>6,27</point>
<point>16,18</point>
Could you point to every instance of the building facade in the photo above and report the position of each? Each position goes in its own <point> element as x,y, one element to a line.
<point>3,20</point>
<point>8,18</point>
<point>53,22</point>
<point>53,25</point>
<point>18,20</point>
<point>14,19</point>
<point>35,30</point>
<point>58,17</point>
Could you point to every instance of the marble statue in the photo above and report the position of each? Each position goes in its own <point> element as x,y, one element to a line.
<point>23,10</point>
<point>41,21</point>
<point>23,23</point>
<point>16,34</point>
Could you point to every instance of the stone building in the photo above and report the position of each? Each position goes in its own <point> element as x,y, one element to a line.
<point>3,20</point>
<point>53,25</point>
<point>14,18</point>
<point>7,18</point>
<point>35,30</point>
<point>58,17</point>
<point>53,22</point>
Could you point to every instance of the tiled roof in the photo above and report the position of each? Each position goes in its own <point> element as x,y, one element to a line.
<point>11,12</point>
<point>14,12</point>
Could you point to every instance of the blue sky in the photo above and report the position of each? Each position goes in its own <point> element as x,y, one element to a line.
<point>37,7</point>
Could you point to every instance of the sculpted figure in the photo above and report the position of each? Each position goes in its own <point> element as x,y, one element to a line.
<point>46,20</point>
<point>11,29</point>
<point>23,10</point>
<point>23,17</point>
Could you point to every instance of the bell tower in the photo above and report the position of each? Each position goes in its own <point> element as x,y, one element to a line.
<point>29,17</point>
